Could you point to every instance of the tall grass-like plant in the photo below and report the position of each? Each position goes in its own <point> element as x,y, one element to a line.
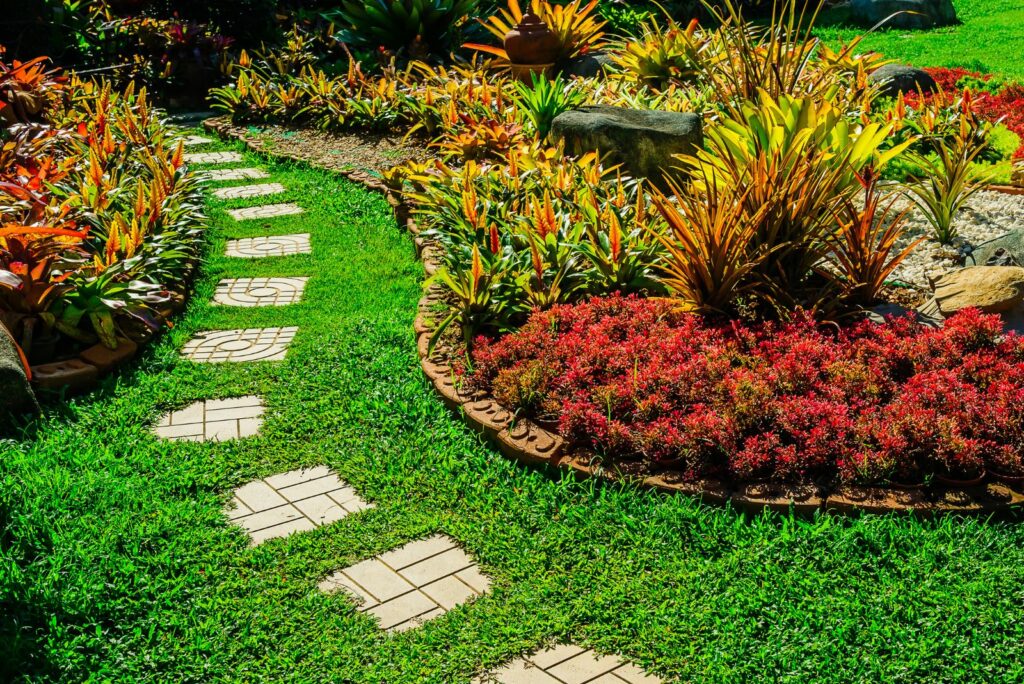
<point>545,99</point>
<point>863,250</point>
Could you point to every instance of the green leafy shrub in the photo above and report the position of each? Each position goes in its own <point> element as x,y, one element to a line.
<point>414,28</point>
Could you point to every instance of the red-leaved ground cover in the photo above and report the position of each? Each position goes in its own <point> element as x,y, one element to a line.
<point>1007,103</point>
<point>629,377</point>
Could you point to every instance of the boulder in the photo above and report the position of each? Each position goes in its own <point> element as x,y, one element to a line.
<point>15,392</point>
<point>993,289</point>
<point>894,79</point>
<point>587,66</point>
<point>1007,250</point>
<point>913,14</point>
<point>644,141</point>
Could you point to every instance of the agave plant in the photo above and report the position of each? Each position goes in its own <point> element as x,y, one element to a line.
<point>419,28</point>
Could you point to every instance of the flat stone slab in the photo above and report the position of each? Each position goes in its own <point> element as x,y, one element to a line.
<point>244,191</point>
<point>213,420</point>
<point>251,344</point>
<point>250,292</point>
<point>235,174</point>
<point>212,157</point>
<point>568,664</point>
<point>296,501</point>
<point>273,245</point>
<point>266,211</point>
<point>194,140</point>
<point>410,585</point>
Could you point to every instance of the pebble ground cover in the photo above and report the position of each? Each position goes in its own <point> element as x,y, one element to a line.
<point>118,564</point>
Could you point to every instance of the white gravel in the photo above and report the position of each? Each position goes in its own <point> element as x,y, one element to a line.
<point>988,215</point>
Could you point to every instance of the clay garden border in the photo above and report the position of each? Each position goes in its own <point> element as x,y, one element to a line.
<point>524,440</point>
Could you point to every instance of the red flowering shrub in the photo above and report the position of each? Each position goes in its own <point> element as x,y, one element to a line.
<point>632,378</point>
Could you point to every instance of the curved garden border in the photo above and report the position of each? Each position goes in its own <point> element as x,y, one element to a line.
<point>526,441</point>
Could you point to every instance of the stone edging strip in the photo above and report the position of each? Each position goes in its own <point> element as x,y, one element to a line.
<point>525,441</point>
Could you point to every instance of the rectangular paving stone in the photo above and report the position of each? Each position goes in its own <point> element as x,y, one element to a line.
<point>272,245</point>
<point>252,292</point>
<point>245,191</point>
<point>212,157</point>
<point>584,668</point>
<point>282,504</point>
<point>568,664</point>
<point>237,346</point>
<point>413,584</point>
<point>265,211</point>
<point>220,175</point>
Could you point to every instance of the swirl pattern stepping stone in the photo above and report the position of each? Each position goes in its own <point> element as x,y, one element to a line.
<point>213,420</point>
<point>266,211</point>
<point>274,245</point>
<point>235,174</point>
<point>252,344</point>
<point>408,586</point>
<point>251,292</point>
<point>568,665</point>
<point>244,191</point>
<point>195,140</point>
<point>212,157</point>
<point>296,501</point>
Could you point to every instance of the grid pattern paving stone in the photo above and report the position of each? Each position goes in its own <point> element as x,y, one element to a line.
<point>296,501</point>
<point>244,191</point>
<point>194,140</point>
<point>410,585</point>
<point>249,292</point>
<point>265,211</point>
<point>250,344</point>
<point>212,157</point>
<point>235,174</point>
<point>568,664</point>
<point>213,420</point>
<point>273,245</point>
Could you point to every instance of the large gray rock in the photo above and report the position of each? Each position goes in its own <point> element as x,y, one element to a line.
<point>894,79</point>
<point>644,141</point>
<point>914,14</point>
<point>993,289</point>
<point>1007,250</point>
<point>15,392</point>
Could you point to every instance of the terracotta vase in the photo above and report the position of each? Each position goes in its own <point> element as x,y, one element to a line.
<point>531,42</point>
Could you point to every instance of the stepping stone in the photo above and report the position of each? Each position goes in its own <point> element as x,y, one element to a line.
<point>296,501</point>
<point>265,211</point>
<point>568,665</point>
<point>194,140</point>
<point>213,420</point>
<point>235,174</point>
<point>274,245</point>
<point>408,586</point>
<point>251,292</point>
<point>252,344</point>
<point>243,191</point>
<point>212,157</point>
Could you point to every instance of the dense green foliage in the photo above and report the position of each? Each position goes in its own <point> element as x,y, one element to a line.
<point>116,563</point>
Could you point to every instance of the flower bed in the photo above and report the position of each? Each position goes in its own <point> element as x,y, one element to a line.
<point>102,222</point>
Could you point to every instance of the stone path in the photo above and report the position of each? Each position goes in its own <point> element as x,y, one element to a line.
<point>412,584</point>
<point>250,292</point>
<point>217,175</point>
<point>265,211</point>
<point>212,157</point>
<point>275,245</point>
<point>250,344</point>
<point>213,420</point>
<point>245,191</point>
<point>568,665</point>
<point>296,501</point>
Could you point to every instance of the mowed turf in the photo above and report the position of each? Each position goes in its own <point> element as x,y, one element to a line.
<point>989,39</point>
<point>117,564</point>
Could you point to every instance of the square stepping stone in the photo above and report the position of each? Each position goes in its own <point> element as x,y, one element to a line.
<point>235,174</point>
<point>568,664</point>
<point>266,211</point>
<point>244,191</point>
<point>213,420</point>
<point>410,585</point>
<point>296,501</point>
<point>273,245</point>
<point>251,344</point>
<point>212,157</point>
<point>194,140</point>
<point>251,292</point>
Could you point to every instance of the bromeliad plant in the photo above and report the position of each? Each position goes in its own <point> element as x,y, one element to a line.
<point>577,26</point>
<point>543,100</point>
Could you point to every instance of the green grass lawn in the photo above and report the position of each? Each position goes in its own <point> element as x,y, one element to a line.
<point>989,39</point>
<point>116,563</point>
